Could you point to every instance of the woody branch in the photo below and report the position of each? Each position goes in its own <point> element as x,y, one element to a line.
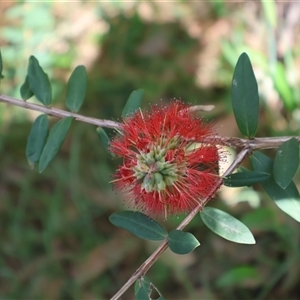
<point>234,142</point>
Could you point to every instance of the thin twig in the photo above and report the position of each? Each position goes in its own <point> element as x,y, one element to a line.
<point>157,253</point>
<point>255,143</point>
<point>234,142</point>
<point>59,112</point>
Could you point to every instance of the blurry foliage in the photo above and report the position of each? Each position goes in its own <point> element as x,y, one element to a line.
<point>276,59</point>
<point>56,241</point>
<point>142,55</point>
<point>30,29</point>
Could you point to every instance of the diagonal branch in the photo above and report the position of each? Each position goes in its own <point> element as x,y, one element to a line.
<point>59,112</point>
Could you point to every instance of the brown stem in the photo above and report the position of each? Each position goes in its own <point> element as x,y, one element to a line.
<point>255,143</point>
<point>59,112</point>
<point>157,253</point>
<point>234,142</point>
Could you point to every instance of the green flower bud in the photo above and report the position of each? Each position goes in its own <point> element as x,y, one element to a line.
<point>159,181</point>
<point>148,183</point>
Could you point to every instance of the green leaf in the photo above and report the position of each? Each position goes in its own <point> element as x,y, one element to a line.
<point>142,289</point>
<point>1,66</point>
<point>288,199</point>
<point>245,178</point>
<point>76,89</point>
<point>139,224</point>
<point>103,137</point>
<point>36,139</point>
<point>39,82</point>
<point>286,162</point>
<point>25,90</point>
<point>181,242</point>
<point>245,99</point>
<point>55,139</point>
<point>133,102</point>
<point>226,226</point>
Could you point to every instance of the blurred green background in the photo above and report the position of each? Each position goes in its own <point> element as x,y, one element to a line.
<point>55,238</point>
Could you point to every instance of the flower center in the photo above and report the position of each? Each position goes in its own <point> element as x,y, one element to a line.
<point>155,172</point>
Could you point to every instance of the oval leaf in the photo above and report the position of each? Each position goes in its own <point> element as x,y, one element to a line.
<point>103,137</point>
<point>139,224</point>
<point>39,82</point>
<point>288,199</point>
<point>76,89</point>
<point>226,226</point>
<point>25,90</point>
<point>142,289</point>
<point>286,162</point>
<point>133,102</point>
<point>245,178</point>
<point>181,242</point>
<point>55,139</point>
<point>245,99</point>
<point>36,139</point>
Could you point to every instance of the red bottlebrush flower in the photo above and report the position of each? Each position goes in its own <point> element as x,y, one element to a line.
<point>167,166</point>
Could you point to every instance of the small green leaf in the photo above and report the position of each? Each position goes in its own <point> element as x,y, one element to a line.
<point>103,137</point>
<point>139,224</point>
<point>25,90</point>
<point>245,178</point>
<point>76,89</point>
<point>39,82</point>
<point>36,139</point>
<point>142,289</point>
<point>1,66</point>
<point>181,242</point>
<point>226,226</point>
<point>286,162</point>
<point>288,199</point>
<point>55,139</point>
<point>133,102</point>
<point>245,99</point>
